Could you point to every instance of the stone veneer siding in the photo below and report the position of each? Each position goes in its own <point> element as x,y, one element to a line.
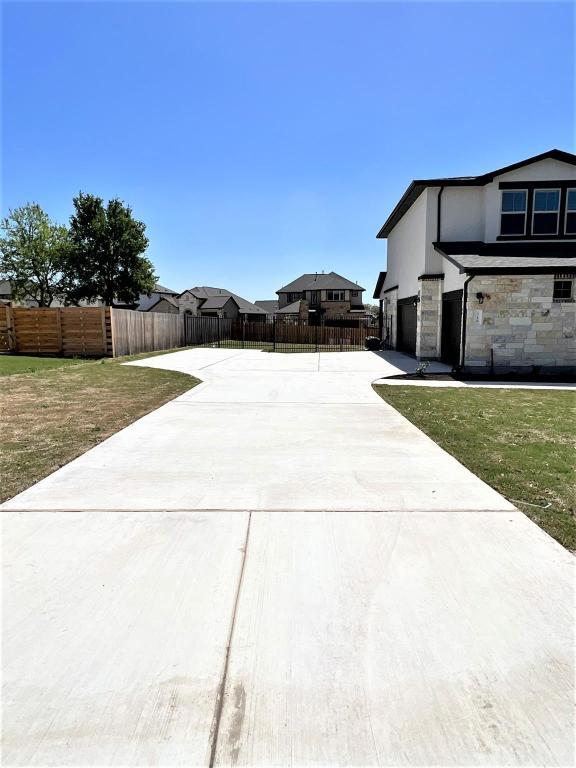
<point>429,318</point>
<point>389,313</point>
<point>522,324</point>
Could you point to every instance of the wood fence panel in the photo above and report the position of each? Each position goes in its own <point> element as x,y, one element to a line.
<point>5,324</point>
<point>36,331</point>
<point>134,332</point>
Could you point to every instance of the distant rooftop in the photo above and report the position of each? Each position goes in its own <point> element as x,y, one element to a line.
<point>317,281</point>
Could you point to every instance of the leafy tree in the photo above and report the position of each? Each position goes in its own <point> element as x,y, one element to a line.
<point>33,252</point>
<point>106,259</point>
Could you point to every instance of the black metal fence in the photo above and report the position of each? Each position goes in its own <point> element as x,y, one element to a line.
<point>276,336</point>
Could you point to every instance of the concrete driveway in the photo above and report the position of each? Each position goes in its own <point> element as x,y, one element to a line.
<point>277,568</point>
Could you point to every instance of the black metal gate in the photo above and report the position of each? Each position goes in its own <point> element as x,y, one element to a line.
<point>451,327</point>
<point>406,325</point>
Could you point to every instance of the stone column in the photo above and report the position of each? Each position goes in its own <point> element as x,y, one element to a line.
<point>429,317</point>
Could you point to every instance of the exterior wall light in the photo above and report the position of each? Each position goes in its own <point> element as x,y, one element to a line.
<point>481,296</point>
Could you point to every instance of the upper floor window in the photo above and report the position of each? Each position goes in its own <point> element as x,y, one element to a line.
<point>513,212</point>
<point>570,228</point>
<point>546,210</point>
<point>335,295</point>
<point>294,297</point>
<point>355,293</point>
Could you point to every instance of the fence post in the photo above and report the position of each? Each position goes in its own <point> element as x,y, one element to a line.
<point>316,335</point>
<point>243,331</point>
<point>218,330</point>
<point>11,330</point>
<point>274,333</point>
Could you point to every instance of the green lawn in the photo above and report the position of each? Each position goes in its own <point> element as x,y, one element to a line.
<point>50,416</point>
<point>521,442</point>
<point>10,364</point>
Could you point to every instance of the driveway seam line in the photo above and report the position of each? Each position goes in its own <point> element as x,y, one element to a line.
<point>219,705</point>
<point>217,362</point>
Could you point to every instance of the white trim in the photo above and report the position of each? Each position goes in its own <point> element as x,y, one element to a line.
<point>566,212</point>
<point>514,213</point>
<point>535,212</point>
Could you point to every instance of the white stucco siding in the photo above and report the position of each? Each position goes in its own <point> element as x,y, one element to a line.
<point>545,170</point>
<point>462,213</point>
<point>453,279</point>
<point>407,248</point>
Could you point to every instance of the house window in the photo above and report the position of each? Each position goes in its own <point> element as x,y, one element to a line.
<point>513,212</point>
<point>546,208</point>
<point>563,290</point>
<point>294,297</point>
<point>335,295</point>
<point>570,228</point>
<point>355,294</point>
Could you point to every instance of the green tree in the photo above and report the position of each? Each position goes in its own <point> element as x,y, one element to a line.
<point>106,260</point>
<point>33,252</point>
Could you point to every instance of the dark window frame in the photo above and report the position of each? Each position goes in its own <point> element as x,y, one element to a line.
<point>516,214</point>
<point>569,211</point>
<point>563,291</point>
<point>531,186</point>
<point>540,213</point>
<point>333,291</point>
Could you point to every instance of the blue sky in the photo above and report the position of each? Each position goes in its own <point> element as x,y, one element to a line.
<point>262,140</point>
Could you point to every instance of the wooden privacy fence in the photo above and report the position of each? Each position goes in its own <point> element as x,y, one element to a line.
<point>134,332</point>
<point>87,331</point>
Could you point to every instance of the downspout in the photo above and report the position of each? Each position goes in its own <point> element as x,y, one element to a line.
<point>439,215</point>
<point>464,320</point>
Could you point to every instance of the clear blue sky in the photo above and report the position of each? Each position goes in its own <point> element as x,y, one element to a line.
<point>262,140</point>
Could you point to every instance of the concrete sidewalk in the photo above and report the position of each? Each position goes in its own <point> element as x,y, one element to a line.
<point>277,568</point>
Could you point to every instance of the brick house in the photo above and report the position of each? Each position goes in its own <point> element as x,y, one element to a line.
<point>321,297</point>
<point>481,269</point>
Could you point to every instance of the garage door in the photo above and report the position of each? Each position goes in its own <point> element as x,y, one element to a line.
<point>451,327</point>
<point>407,325</point>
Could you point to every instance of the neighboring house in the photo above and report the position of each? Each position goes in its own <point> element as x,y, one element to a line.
<point>270,306</point>
<point>5,291</point>
<point>202,301</point>
<point>165,304</point>
<point>219,302</point>
<point>321,297</point>
<point>481,269</point>
<point>159,300</point>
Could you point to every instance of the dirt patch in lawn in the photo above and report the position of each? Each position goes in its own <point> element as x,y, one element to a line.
<point>49,417</point>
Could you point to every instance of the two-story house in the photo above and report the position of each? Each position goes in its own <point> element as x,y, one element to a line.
<point>321,297</point>
<point>481,269</point>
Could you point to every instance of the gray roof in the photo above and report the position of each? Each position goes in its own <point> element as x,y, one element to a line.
<point>156,299</point>
<point>146,302</point>
<point>268,305</point>
<point>476,262</point>
<point>162,289</point>
<point>290,309</point>
<point>244,306</point>
<point>312,282</point>
<point>215,302</point>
